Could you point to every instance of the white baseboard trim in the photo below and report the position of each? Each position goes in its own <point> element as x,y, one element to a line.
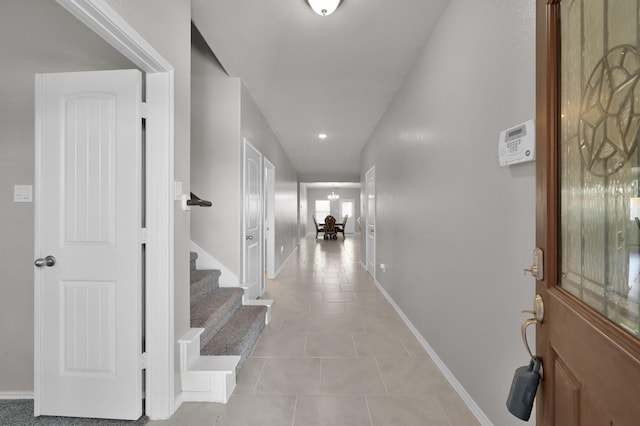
<point>285,261</point>
<point>16,395</point>
<point>206,261</point>
<point>460,390</point>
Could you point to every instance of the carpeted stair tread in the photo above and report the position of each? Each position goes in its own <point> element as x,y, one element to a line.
<point>203,282</point>
<point>214,310</point>
<point>238,336</point>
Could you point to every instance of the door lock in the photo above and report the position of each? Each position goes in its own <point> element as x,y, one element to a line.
<point>537,269</point>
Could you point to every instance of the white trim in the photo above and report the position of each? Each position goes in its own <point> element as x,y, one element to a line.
<point>269,212</point>
<point>37,297</point>
<point>160,342</point>
<point>286,260</point>
<point>16,395</point>
<point>461,391</point>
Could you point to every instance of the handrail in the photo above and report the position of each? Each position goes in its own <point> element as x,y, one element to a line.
<point>197,201</point>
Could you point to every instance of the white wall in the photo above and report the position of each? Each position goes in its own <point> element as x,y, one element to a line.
<point>454,260</point>
<point>36,36</point>
<point>314,194</point>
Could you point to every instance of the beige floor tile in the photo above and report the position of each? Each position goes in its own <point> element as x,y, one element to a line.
<point>290,376</point>
<point>330,345</point>
<point>413,376</point>
<point>456,410</point>
<point>263,410</point>
<point>335,353</point>
<point>247,376</point>
<point>280,343</point>
<point>329,410</point>
<point>330,297</point>
<point>357,376</point>
<point>413,346</point>
<point>379,345</point>
<point>327,308</point>
<point>406,411</point>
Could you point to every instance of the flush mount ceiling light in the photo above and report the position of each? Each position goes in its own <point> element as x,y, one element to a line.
<point>324,7</point>
<point>322,136</point>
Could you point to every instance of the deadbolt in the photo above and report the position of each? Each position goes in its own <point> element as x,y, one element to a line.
<point>537,269</point>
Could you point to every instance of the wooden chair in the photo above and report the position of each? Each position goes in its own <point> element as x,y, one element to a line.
<point>330,228</point>
<point>341,228</point>
<point>319,228</point>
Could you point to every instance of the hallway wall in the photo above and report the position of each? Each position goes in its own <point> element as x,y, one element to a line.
<point>37,36</point>
<point>455,268</point>
<point>223,113</point>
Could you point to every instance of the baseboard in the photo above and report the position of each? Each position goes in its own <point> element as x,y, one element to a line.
<point>460,390</point>
<point>16,395</point>
<point>285,261</point>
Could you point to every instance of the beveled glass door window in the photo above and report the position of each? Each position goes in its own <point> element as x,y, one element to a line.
<point>599,158</point>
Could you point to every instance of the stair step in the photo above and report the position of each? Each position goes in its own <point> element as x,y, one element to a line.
<point>214,310</point>
<point>203,282</point>
<point>239,335</point>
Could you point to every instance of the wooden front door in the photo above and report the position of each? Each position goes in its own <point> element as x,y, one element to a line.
<point>588,209</point>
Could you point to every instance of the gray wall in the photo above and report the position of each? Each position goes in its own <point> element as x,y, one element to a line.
<point>256,129</point>
<point>39,36</point>
<point>314,194</point>
<point>35,36</point>
<point>454,260</point>
<point>223,114</point>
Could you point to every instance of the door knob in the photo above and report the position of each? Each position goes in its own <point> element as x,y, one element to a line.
<point>45,261</point>
<point>249,237</point>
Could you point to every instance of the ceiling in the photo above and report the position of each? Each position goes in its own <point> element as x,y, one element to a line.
<point>311,74</point>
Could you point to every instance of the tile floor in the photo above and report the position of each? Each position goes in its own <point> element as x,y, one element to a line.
<point>336,353</point>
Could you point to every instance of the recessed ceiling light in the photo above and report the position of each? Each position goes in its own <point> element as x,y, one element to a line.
<point>322,136</point>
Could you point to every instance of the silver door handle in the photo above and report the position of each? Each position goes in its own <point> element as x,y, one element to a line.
<point>45,261</point>
<point>249,237</point>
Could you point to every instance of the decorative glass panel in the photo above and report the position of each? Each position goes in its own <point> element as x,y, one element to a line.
<point>599,159</point>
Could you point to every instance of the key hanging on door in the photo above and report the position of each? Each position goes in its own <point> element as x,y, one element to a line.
<point>523,389</point>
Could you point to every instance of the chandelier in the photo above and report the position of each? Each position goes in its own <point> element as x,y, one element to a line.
<point>333,196</point>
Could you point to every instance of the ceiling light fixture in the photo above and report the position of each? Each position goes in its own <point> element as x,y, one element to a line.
<point>333,196</point>
<point>324,7</point>
<point>322,136</point>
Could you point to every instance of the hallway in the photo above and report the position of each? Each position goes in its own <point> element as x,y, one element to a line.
<point>335,353</point>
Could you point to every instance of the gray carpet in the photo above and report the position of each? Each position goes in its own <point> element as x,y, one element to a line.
<point>19,412</point>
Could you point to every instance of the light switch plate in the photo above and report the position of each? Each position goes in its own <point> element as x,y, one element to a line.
<point>23,193</point>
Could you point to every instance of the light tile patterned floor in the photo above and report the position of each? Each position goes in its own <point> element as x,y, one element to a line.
<point>336,353</point>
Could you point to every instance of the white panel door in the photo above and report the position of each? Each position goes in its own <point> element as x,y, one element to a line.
<point>88,307</point>
<point>371,221</point>
<point>253,272</point>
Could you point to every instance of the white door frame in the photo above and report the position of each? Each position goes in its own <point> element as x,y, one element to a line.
<point>159,324</point>
<point>370,247</point>
<point>269,215</point>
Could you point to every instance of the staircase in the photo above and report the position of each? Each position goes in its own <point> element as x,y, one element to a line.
<point>225,328</point>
